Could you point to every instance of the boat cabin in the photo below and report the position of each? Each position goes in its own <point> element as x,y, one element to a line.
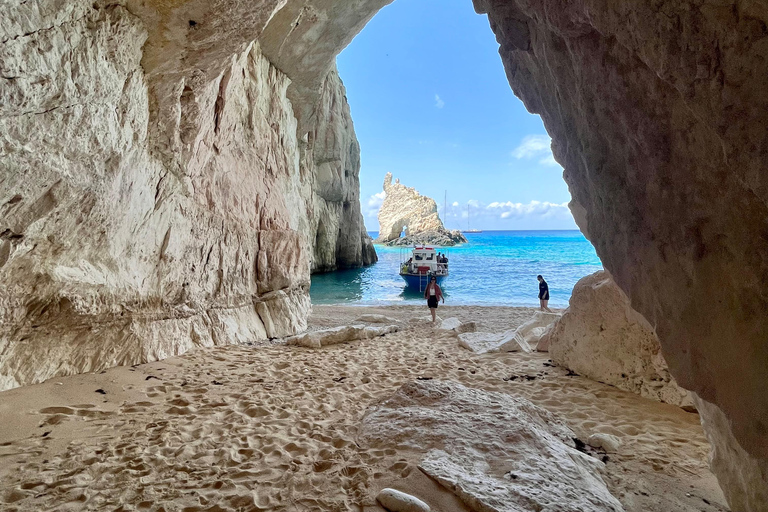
<point>425,260</point>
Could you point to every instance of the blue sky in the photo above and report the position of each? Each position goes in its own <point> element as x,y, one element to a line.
<point>432,105</point>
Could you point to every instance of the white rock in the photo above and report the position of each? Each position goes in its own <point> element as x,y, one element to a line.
<point>601,337</point>
<point>397,501</point>
<point>148,214</point>
<point>376,319</point>
<point>607,442</point>
<point>404,208</point>
<point>335,335</point>
<point>454,324</point>
<point>513,340</point>
<point>496,452</point>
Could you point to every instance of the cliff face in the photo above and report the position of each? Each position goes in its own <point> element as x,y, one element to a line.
<point>333,161</point>
<point>405,209</point>
<point>133,227</point>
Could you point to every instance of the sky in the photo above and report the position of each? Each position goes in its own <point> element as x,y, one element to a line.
<point>431,104</point>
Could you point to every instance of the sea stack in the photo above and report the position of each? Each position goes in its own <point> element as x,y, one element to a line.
<point>405,209</point>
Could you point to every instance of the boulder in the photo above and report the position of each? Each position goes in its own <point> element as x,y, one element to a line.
<point>343,334</point>
<point>607,442</point>
<point>376,319</point>
<point>513,340</point>
<point>601,337</point>
<point>456,325</point>
<point>496,452</point>
<point>397,501</point>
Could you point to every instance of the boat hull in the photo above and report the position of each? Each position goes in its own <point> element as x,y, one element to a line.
<point>418,282</point>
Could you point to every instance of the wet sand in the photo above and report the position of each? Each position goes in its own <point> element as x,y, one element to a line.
<point>272,427</point>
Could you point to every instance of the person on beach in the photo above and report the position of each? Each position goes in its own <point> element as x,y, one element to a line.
<point>433,293</point>
<point>543,294</point>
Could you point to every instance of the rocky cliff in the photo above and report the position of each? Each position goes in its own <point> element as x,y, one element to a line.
<point>135,226</point>
<point>404,209</point>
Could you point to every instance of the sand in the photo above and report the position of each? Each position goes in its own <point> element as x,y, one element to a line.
<point>272,427</point>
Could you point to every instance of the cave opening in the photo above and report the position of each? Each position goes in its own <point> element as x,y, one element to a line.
<point>163,172</point>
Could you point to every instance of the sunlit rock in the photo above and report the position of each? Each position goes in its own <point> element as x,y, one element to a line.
<point>336,335</point>
<point>404,209</point>
<point>493,450</point>
<point>601,337</point>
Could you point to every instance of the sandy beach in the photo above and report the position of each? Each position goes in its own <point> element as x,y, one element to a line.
<point>273,427</point>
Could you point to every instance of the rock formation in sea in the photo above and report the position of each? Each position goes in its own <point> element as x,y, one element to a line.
<point>149,203</point>
<point>404,209</point>
<point>601,337</point>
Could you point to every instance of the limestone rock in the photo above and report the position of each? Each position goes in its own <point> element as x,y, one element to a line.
<point>742,477</point>
<point>601,337</point>
<point>376,319</point>
<point>335,335</point>
<point>141,218</point>
<point>657,116</point>
<point>456,325</point>
<point>405,209</point>
<point>607,442</point>
<point>397,501</point>
<point>513,340</point>
<point>495,451</point>
<point>332,158</point>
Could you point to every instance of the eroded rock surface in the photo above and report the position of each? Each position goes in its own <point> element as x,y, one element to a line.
<point>524,338</point>
<point>336,335</point>
<point>601,337</point>
<point>143,212</point>
<point>657,114</point>
<point>495,451</point>
<point>404,209</point>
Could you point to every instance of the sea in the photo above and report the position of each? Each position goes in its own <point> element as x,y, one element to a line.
<point>495,268</point>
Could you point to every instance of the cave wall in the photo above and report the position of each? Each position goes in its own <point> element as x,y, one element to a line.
<point>658,116</point>
<point>150,205</point>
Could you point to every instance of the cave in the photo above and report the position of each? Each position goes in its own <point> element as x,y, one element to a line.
<point>164,167</point>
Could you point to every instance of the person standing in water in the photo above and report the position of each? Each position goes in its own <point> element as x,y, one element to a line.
<point>543,294</point>
<point>433,293</point>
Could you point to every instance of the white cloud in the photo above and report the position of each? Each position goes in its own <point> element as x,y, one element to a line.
<point>371,207</point>
<point>536,146</point>
<point>537,209</point>
<point>439,103</point>
<point>455,203</point>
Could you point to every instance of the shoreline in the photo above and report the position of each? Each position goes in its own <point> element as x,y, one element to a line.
<point>275,427</point>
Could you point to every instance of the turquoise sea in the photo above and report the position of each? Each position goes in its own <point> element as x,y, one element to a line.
<point>495,268</point>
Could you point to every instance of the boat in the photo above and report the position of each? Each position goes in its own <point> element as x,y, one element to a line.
<point>422,265</point>
<point>470,230</point>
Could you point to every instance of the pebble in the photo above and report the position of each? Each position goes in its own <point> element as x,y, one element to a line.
<point>607,442</point>
<point>396,501</point>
